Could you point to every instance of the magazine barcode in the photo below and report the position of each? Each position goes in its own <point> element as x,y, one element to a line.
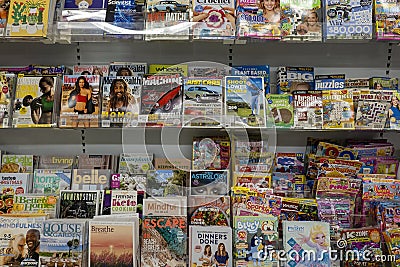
<point>63,122</point>
<point>348,125</point>
<point>375,126</point>
<point>5,122</point>
<point>105,123</point>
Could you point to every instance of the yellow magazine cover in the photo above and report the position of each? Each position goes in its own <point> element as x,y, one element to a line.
<point>27,18</point>
<point>168,69</point>
<point>338,109</point>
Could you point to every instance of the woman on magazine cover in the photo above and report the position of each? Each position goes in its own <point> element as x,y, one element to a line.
<point>270,10</point>
<point>81,100</point>
<point>221,256</point>
<point>120,98</point>
<point>394,112</point>
<point>207,257</point>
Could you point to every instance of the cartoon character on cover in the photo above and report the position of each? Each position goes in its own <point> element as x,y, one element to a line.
<point>207,258</point>
<point>317,240</point>
<point>255,94</point>
<point>256,247</point>
<point>81,100</point>
<point>221,256</point>
<point>394,111</point>
<point>17,249</point>
<point>120,98</point>
<point>270,10</point>
<point>33,244</point>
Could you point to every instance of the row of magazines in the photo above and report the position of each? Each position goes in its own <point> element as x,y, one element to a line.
<point>178,19</point>
<point>181,95</point>
<point>142,218</point>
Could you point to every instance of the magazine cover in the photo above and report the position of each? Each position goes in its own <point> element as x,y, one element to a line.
<point>83,10</point>
<point>12,184</point>
<point>394,112</point>
<point>164,241</point>
<point>302,20</point>
<point>90,179</point>
<point>330,82</point>
<point>113,243</point>
<point>245,101</point>
<point>91,161</point>
<point>126,14</point>
<point>56,162</point>
<point>27,204</point>
<point>258,19</point>
<point>348,19</point>
<point>79,204</point>
<point>202,104</point>
<point>6,95</point>
<point>304,237</point>
<point>126,181</point>
<point>209,210</point>
<point>279,108</point>
<point>127,69</point>
<point>161,101</point>
<point>172,164</point>
<point>49,181</point>
<point>210,245</point>
<point>159,69</point>
<point>203,69</point>
<point>20,242</point>
<point>213,19</point>
<point>121,101</point>
<point>123,201</point>
<point>338,109</point>
<point>210,182</point>
<point>63,242</point>
<point>101,70</point>
<point>166,183</point>
<point>211,153</point>
<point>4,7</point>
<point>163,16</point>
<point>308,110</point>
<point>372,109</point>
<point>17,163</point>
<point>28,18</point>
<point>164,206</point>
<point>255,240</point>
<point>254,70</point>
<point>291,79</point>
<point>80,101</point>
<point>387,20</point>
<point>36,102</point>
<point>135,163</point>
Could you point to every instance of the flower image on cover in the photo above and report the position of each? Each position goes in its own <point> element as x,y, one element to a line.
<point>308,242</point>
<point>213,20</point>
